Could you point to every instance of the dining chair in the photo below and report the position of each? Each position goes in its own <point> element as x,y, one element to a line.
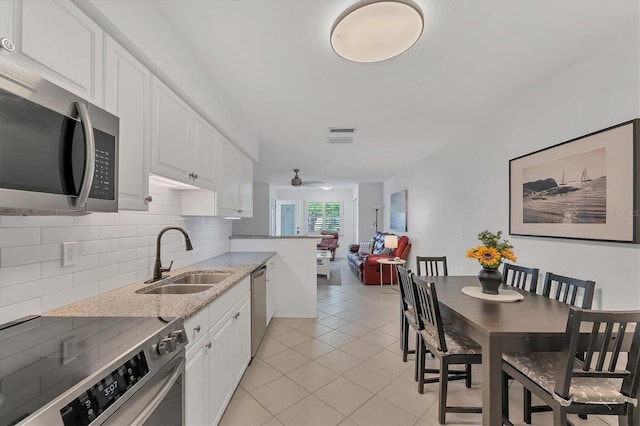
<point>571,291</point>
<point>408,302</point>
<point>432,266</point>
<point>448,344</point>
<point>594,384</point>
<point>520,277</point>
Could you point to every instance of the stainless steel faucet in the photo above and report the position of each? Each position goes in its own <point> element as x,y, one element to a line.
<point>157,268</point>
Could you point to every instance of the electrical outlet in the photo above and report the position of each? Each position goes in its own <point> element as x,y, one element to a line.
<point>69,254</point>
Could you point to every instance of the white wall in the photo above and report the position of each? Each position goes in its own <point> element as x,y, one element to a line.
<point>370,194</point>
<point>114,249</point>
<point>462,189</point>
<point>310,194</point>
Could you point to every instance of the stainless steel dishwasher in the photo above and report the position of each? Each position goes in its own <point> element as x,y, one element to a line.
<point>258,307</point>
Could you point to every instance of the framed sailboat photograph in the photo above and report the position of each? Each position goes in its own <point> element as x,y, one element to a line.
<point>585,188</point>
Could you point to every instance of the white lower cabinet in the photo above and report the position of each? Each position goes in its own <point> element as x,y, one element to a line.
<point>218,358</point>
<point>272,271</point>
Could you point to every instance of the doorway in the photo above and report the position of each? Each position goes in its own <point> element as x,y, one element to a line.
<point>287,218</point>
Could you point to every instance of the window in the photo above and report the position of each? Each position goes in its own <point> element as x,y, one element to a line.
<point>324,216</point>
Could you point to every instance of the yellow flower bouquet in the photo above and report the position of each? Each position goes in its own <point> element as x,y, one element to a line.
<point>492,252</point>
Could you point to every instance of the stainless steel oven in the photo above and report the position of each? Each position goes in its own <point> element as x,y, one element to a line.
<point>58,152</point>
<point>92,371</point>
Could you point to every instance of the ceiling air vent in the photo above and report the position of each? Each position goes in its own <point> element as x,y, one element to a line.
<point>340,139</point>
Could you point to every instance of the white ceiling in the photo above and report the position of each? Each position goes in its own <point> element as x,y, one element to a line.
<point>273,60</point>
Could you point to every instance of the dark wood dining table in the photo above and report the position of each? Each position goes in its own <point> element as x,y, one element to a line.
<point>534,324</point>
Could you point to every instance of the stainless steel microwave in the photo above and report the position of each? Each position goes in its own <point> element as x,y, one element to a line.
<point>58,152</point>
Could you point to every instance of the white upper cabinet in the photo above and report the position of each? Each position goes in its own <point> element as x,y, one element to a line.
<point>235,194</point>
<point>184,146</point>
<point>55,40</point>
<point>206,153</point>
<point>127,95</point>
<point>170,133</point>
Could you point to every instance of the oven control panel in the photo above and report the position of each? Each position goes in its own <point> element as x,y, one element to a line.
<point>90,404</point>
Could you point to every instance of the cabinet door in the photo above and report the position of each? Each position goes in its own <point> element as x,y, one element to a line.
<point>228,197</point>
<point>196,384</point>
<point>220,363</point>
<point>127,95</point>
<point>170,134</point>
<point>271,289</point>
<point>59,42</point>
<point>245,178</point>
<point>205,152</point>
<point>242,331</point>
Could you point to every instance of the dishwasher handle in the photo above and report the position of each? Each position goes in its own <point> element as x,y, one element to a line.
<point>259,272</point>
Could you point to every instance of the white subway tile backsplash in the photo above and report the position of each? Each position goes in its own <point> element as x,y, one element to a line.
<point>66,297</point>
<point>55,268</point>
<point>11,237</point>
<point>94,275</point>
<point>119,256</point>
<point>97,219</point>
<point>106,232</point>
<point>19,274</point>
<point>22,292</point>
<point>12,256</point>
<point>34,221</point>
<point>86,248</point>
<point>75,233</point>
<point>135,266</point>
<point>19,310</point>
<point>114,250</point>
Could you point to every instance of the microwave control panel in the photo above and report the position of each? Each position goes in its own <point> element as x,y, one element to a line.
<point>102,187</point>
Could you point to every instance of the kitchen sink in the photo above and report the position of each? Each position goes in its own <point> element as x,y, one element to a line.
<point>202,278</point>
<point>178,289</point>
<point>192,283</point>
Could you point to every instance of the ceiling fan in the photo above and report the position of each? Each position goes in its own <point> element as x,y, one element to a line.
<point>296,181</point>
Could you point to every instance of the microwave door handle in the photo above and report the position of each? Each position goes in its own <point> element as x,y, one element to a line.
<point>90,154</point>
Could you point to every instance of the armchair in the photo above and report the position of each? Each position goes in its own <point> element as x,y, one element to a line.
<point>329,244</point>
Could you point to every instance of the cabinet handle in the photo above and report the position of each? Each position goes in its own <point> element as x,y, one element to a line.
<point>195,176</point>
<point>196,329</point>
<point>239,211</point>
<point>208,345</point>
<point>148,198</point>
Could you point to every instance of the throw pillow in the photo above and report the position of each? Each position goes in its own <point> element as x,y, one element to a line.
<point>365,248</point>
<point>387,252</point>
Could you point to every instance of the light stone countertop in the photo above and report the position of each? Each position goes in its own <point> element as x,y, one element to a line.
<point>283,237</point>
<point>125,302</point>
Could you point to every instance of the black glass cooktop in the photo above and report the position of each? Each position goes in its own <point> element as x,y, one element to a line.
<point>43,357</point>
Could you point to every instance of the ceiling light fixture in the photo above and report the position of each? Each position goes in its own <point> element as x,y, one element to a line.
<point>376,30</point>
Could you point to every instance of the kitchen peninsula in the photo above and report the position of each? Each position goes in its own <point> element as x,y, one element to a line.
<point>294,270</point>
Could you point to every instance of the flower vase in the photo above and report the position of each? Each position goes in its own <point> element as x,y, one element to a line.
<point>490,280</point>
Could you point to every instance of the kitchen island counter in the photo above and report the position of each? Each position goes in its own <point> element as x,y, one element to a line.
<point>125,302</point>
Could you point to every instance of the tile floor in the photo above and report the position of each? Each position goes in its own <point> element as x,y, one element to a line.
<point>345,368</point>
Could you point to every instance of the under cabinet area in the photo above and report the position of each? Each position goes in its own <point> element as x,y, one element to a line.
<point>218,353</point>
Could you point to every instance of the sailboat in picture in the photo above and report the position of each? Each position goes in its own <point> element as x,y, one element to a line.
<point>584,177</point>
<point>563,181</point>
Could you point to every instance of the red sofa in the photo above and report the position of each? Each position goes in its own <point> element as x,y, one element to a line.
<point>366,267</point>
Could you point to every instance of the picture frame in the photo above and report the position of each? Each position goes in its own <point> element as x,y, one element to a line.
<point>398,211</point>
<point>585,188</point>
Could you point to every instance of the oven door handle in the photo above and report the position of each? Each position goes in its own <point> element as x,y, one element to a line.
<point>157,400</point>
<point>90,154</point>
